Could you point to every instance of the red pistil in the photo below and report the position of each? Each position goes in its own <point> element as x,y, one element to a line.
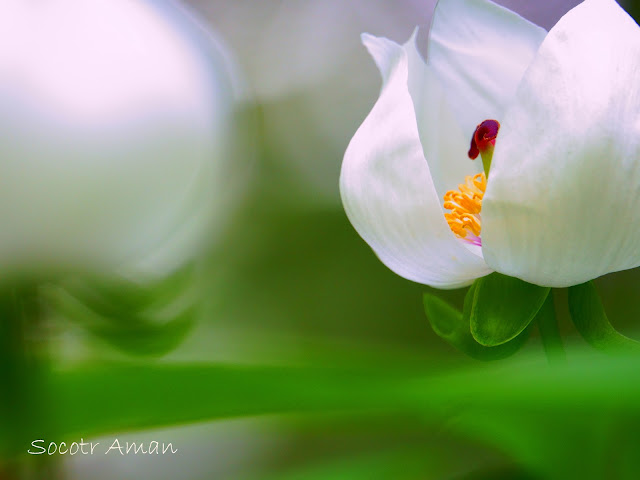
<point>484,137</point>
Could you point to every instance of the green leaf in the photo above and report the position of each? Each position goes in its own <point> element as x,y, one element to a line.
<point>503,307</point>
<point>139,319</point>
<point>453,326</point>
<point>111,297</point>
<point>113,398</point>
<point>554,419</point>
<point>147,338</point>
<point>382,465</point>
<point>590,319</point>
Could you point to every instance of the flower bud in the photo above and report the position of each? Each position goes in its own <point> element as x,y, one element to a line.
<point>114,120</point>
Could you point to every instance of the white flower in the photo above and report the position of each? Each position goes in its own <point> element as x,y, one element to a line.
<point>114,116</point>
<point>562,202</point>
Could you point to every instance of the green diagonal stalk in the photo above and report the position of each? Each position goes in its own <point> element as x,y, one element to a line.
<point>590,319</point>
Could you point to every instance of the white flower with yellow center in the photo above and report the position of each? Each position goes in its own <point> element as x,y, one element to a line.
<point>561,202</point>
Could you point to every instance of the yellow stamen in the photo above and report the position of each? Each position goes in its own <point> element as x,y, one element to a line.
<point>465,205</point>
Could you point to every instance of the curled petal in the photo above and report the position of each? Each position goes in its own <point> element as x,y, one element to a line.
<point>561,205</point>
<point>480,51</point>
<point>387,190</point>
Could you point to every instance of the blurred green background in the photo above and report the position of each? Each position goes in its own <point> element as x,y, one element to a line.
<point>324,339</point>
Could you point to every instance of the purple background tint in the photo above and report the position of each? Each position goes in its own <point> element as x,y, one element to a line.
<point>314,80</point>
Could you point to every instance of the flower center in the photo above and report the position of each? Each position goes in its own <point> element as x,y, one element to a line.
<point>466,202</point>
<point>465,205</point>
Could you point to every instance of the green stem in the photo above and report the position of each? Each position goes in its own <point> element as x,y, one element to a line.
<point>487,156</point>
<point>590,319</point>
<point>549,333</point>
<point>12,370</point>
<point>21,361</point>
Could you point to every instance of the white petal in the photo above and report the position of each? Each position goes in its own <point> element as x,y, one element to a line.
<point>563,199</point>
<point>387,189</point>
<point>480,51</point>
<point>384,52</point>
<point>113,118</point>
<point>444,146</point>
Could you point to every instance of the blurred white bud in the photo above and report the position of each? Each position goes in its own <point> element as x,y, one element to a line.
<point>114,120</point>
